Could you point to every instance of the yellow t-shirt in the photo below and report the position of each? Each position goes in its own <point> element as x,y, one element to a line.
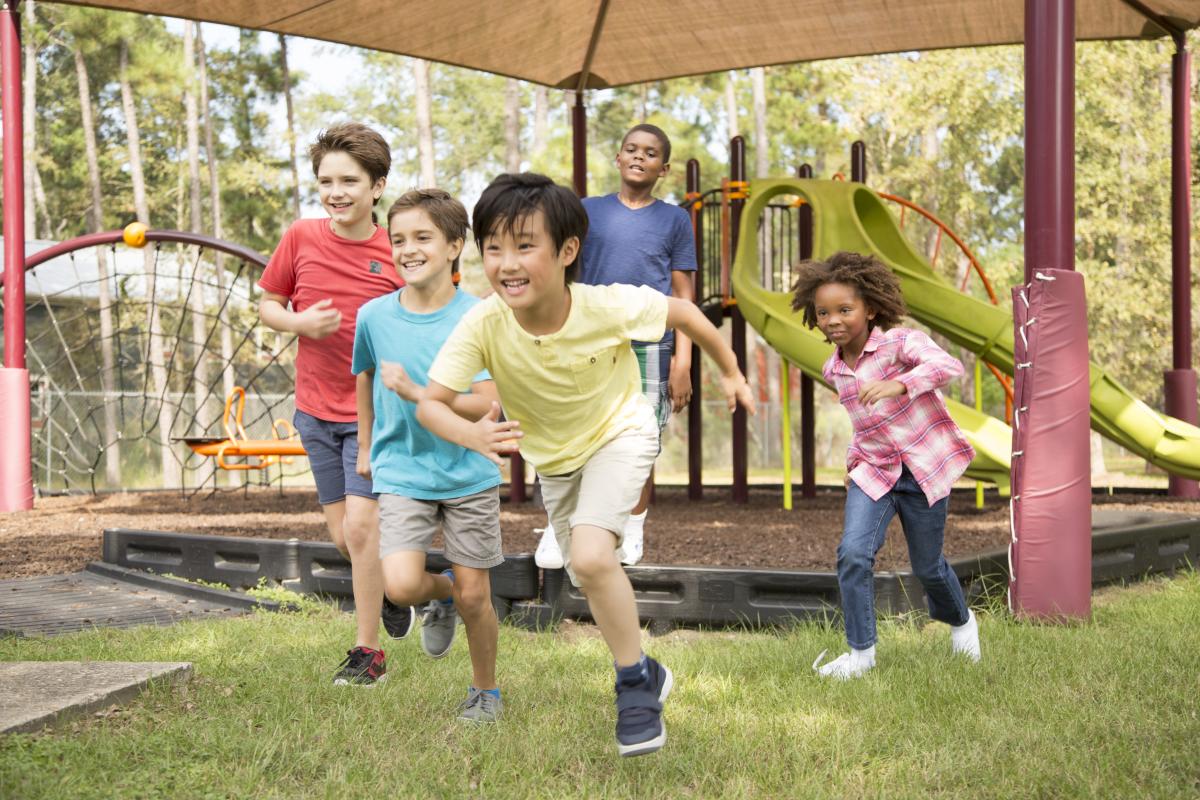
<point>573,390</point>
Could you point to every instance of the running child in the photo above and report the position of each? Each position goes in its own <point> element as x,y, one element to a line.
<point>561,358</point>
<point>425,482</point>
<point>906,451</point>
<point>325,269</point>
<point>637,239</point>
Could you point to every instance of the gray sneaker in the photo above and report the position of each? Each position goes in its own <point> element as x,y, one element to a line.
<point>438,626</point>
<point>481,707</point>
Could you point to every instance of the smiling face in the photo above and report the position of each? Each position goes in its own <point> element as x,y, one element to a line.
<point>640,160</point>
<point>423,256</point>
<point>523,265</point>
<point>843,316</point>
<point>348,194</point>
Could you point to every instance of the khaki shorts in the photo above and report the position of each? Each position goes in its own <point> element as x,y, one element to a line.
<point>604,490</point>
<point>470,527</point>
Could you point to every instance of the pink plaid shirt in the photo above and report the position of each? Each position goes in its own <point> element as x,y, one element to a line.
<point>914,429</point>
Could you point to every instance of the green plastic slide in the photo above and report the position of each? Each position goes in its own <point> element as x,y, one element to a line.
<point>849,216</point>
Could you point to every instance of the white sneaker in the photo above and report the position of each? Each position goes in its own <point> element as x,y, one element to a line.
<point>548,555</point>
<point>964,639</point>
<point>846,666</point>
<point>630,551</point>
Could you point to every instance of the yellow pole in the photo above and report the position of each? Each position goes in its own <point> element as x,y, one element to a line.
<point>978,407</point>
<point>785,401</point>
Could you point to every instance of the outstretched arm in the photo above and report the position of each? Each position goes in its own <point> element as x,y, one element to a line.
<point>687,317</point>
<point>679,383</point>
<point>486,436</point>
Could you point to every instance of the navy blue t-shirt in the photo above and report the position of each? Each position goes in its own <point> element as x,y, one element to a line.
<point>640,247</point>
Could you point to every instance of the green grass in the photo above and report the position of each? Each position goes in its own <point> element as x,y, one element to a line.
<point>1106,708</point>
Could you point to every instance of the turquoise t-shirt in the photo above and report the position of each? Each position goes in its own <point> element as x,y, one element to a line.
<point>406,459</point>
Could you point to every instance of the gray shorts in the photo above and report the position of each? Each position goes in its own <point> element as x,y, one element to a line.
<point>470,527</point>
<point>332,449</point>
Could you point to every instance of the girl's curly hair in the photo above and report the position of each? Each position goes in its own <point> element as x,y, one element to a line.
<point>873,281</point>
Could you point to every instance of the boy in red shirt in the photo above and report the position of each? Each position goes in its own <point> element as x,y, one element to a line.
<point>326,269</point>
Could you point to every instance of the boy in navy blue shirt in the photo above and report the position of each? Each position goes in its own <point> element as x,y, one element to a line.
<point>637,239</point>
<point>426,483</point>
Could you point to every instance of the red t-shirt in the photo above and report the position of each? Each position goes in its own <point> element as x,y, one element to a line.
<point>313,263</point>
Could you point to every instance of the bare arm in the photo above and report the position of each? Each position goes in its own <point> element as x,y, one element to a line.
<point>366,421</point>
<point>471,406</point>
<point>686,317</point>
<point>486,435</point>
<point>679,383</point>
<point>316,322</point>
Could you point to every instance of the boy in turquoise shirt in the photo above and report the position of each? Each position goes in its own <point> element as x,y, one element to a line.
<point>424,482</point>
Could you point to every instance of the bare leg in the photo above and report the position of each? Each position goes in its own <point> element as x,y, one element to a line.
<point>609,593</point>
<point>335,516</point>
<point>473,599</point>
<point>361,529</point>
<point>408,584</point>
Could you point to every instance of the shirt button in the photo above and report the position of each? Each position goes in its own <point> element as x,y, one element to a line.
<point>592,359</point>
<point>537,342</point>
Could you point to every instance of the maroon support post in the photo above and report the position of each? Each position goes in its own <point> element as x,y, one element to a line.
<point>808,415</point>
<point>737,172</point>
<point>695,428</point>
<point>579,144</point>
<point>16,468</point>
<point>1051,470</point>
<point>858,162</point>
<point>1180,381</point>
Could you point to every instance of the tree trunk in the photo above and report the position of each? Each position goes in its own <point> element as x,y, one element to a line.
<point>762,147</point>
<point>424,122</point>
<point>731,106</point>
<point>541,117</point>
<point>512,125</point>
<point>291,125</point>
<point>29,112</point>
<point>112,439</point>
<point>202,404</point>
<point>171,476</point>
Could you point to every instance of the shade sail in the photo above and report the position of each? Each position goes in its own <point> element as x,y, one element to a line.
<point>547,41</point>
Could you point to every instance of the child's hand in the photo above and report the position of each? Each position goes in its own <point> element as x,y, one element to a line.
<point>679,386</point>
<point>492,438</point>
<point>362,464</point>
<point>875,391</point>
<point>737,391</point>
<point>396,379</point>
<point>318,320</point>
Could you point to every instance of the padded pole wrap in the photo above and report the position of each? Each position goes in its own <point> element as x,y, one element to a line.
<point>16,469</point>
<point>1051,551</point>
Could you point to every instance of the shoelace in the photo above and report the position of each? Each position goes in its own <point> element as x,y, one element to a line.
<point>478,697</point>
<point>356,659</point>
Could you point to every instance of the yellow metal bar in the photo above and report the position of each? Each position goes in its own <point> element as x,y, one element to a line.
<point>785,400</point>
<point>978,407</point>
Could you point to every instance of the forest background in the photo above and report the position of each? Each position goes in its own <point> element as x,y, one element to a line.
<point>198,127</point>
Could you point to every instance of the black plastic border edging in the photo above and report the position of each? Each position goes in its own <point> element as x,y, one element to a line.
<point>180,587</point>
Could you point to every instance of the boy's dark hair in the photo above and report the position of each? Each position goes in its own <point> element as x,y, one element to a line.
<point>356,140</point>
<point>663,142</point>
<point>513,197</point>
<point>448,215</point>
<point>870,277</point>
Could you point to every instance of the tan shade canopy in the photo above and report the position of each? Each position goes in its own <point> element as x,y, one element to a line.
<point>632,41</point>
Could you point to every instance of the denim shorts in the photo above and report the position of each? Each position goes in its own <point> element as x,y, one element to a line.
<point>332,449</point>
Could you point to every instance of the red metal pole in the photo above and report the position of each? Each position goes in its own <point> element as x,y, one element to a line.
<point>16,469</point>
<point>1180,381</point>
<point>741,488</point>
<point>695,426</point>
<point>579,144</point>
<point>808,413</point>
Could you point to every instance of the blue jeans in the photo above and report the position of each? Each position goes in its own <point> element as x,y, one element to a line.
<point>863,534</point>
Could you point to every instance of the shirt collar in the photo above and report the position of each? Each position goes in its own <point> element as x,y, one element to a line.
<point>874,340</point>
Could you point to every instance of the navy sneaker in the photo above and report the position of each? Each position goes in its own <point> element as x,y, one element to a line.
<point>397,620</point>
<point>640,728</point>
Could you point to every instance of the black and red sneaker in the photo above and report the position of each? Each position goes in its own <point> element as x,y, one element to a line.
<point>361,667</point>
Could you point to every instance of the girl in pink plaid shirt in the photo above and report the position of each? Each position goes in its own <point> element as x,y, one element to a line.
<point>906,451</point>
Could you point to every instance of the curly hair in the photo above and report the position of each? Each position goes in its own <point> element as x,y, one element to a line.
<point>870,277</point>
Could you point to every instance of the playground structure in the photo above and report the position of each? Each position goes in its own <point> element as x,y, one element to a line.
<point>1054,476</point>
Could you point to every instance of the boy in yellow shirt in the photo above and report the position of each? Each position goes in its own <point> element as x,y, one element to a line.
<point>559,353</point>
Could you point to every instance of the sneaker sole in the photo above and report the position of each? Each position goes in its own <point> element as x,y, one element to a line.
<point>348,682</point>
<point>412,623</point>
<point>655,744</point>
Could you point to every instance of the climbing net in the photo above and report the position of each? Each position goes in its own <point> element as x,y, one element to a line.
<point>130,351</point>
